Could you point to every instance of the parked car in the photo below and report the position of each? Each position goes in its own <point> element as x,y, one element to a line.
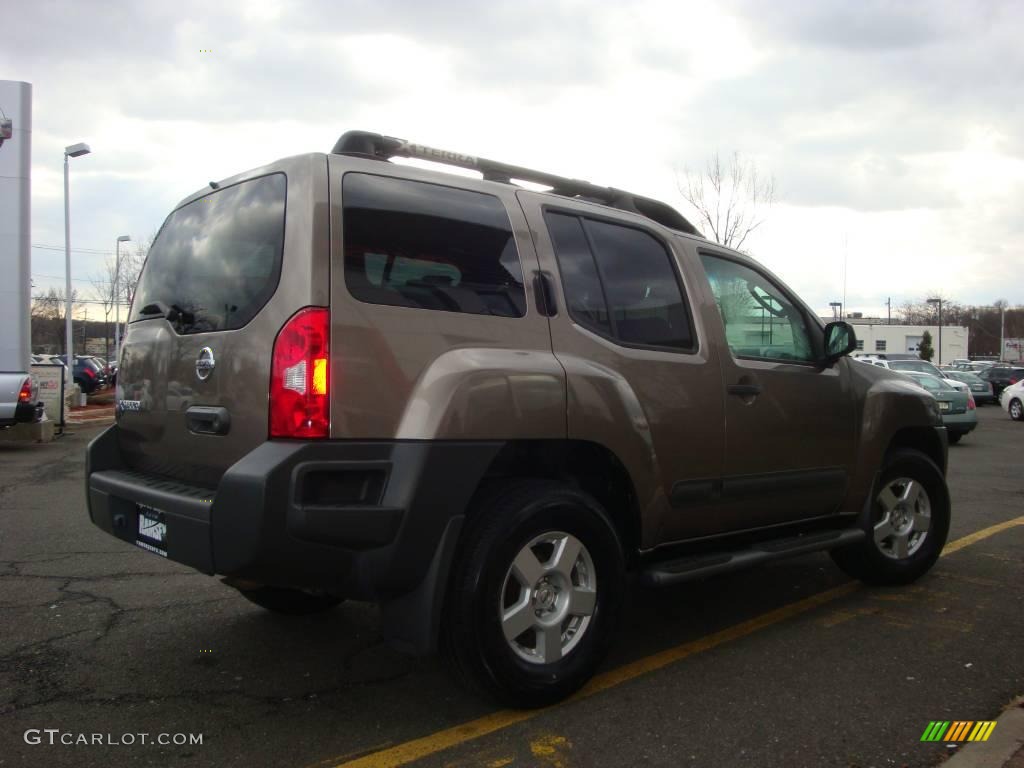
<point>1001,376</point>
<point>19,400</point>
<point>981,389</point>
<point>910,363</point>
<point>484,404</point>
<point>45,359</point>
<point>958,409</point>
<point>87,373</point>
<point>1012,400</point>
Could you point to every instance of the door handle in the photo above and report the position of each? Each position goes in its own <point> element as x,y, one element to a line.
<point>744,390</point>
<point>205,420</point>
<point>544,294</point>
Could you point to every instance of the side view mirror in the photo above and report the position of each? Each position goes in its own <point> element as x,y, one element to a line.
<point>839,340</point>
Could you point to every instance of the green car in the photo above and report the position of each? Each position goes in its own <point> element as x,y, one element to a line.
<point>959,414</point>
<point>980,388</point>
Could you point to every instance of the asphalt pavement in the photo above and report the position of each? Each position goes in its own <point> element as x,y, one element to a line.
<point>787,665</point>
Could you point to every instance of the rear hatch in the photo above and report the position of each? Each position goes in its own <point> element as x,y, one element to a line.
<point>223,275</point>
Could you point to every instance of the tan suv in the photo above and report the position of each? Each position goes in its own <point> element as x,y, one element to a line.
<point>481,406</point>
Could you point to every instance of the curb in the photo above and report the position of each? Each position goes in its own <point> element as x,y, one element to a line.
<point>1006,740</point>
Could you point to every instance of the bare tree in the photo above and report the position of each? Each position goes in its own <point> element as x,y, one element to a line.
<point>47,316</point>
<point>730,201</point>
<point>132,261</point>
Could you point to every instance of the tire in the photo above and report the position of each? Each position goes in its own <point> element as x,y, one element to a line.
<point>290,602</point>
<point>954,437</point>
<point>879,559</point>
<point>1016,410</point>
<point>533,522</point>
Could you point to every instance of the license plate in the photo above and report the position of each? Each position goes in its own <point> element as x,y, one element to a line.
<point>943,406</point>
<point>152,530</point>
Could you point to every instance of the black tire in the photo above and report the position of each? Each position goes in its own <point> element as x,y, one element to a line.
<point>865,560</point>
<point>954,437</point>
<point>502,523</point>
<point>290,602</point>
<point>1016,410</point>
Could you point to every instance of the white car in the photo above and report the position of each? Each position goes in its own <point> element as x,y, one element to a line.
<point>1012,400</point>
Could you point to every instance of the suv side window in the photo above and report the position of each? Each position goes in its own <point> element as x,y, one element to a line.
<point>414,244</point>
<point>620,282</point>
<point>760,321</point>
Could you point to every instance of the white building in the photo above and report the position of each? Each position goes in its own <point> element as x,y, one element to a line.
<point>876,337</point>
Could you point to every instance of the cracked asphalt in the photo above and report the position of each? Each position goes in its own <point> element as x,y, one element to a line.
<point>99,637</point>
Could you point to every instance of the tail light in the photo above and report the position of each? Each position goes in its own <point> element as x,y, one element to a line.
<point>299,380</point>
<point>25,395</point>
<point>89,372</point>
<point>970,402</point>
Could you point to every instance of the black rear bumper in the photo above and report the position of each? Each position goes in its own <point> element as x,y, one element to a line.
<point>366,520</point>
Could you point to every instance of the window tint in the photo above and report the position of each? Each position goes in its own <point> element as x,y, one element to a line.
<point>413,244</point>
<point>640,283</point>
<point>759,320</point>
<point>217,260</point>
<point>583,293</point>
<point>625,286</point>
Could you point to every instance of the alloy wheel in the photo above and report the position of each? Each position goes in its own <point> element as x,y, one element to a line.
<point>905,518</point>
<point>548,597</point>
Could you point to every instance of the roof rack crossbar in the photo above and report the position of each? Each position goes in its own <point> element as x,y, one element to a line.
<point>376,146</point>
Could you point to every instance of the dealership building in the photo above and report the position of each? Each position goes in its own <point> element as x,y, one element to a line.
<point>876,336</point>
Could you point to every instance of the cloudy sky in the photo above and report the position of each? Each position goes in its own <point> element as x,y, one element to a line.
<point>894,130</point>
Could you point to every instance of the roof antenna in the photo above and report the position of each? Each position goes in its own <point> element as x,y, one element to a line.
<point>214,185</point>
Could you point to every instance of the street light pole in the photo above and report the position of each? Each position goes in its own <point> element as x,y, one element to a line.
<point>75,150</point>
<point>117,298</point>
<point>939,302</point>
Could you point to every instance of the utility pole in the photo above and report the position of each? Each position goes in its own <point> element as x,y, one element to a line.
<point>1002,326</point>
<point>888,311</point>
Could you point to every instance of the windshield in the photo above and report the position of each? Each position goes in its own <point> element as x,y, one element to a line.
<point>217,260</point>
<point>931,383</point>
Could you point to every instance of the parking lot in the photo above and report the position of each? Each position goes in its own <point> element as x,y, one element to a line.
<point>788,665</point>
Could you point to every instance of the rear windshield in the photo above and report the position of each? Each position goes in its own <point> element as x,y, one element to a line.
<point>217,260</point>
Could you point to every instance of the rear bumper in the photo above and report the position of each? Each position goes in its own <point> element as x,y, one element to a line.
<point>960,423</point>
<point>365,520</point>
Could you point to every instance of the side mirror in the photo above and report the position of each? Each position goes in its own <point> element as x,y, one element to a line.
<point>839,340</point>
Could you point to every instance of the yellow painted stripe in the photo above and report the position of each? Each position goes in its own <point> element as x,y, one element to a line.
<point>988,731</point>
<point>984,533</point>
<point>416,749</point>
<point>978,728</point>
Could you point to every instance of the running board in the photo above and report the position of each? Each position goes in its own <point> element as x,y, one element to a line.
<point>670,572</point>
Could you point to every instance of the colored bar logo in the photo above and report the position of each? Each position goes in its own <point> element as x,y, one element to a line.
<point>958,730</point>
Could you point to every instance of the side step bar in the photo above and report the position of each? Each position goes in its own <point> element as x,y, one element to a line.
<point>670,572</point>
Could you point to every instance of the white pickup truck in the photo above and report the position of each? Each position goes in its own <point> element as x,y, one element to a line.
<point>18,403</point>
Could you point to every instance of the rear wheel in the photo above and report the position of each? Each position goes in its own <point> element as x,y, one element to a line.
<point>291,602</point>
<point>954,437</point>
<point>1016,410</point>
<point>535,593</point>
<point>908,524</point>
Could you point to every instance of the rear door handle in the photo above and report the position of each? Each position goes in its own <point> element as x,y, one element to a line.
<point>744,390</point>
<point>544,294</point>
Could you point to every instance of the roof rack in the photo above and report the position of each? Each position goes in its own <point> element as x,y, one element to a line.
<point>378,147</point>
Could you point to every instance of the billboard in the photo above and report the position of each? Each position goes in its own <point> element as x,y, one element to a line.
<point>1013,350</point>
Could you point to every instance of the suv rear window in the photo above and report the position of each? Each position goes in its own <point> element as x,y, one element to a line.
<point>415,244</point>
<point>217,260</point>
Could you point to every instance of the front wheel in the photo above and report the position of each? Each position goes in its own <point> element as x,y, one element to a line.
<point>907,526</point>
<point>1016,410</point>
<point>535,593</point>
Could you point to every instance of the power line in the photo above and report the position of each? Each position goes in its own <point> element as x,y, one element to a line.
<point>74,250</point>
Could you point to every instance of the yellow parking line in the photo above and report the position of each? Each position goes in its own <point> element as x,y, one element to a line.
<point>416,749</point>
